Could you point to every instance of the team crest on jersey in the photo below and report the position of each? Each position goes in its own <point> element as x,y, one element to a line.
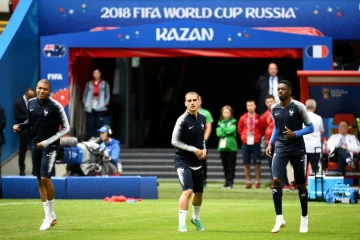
<point>291,112</point>
<point>202,126</point>
<point>46,112</point>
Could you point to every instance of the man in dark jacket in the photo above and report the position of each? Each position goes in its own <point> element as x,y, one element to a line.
<point>267,85</point>
<point>21,114</point>
<point>2,127</point>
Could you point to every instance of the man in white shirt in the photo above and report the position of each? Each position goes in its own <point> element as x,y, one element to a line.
<point>343,146</point>
<point>313,140</point>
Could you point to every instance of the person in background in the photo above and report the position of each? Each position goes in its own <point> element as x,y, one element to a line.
<point>21,114</point>
<point>96,99</point>
<point>250,129</point>
<point>2,127</point>
<point>207,132</point>
<point>228,147</point>
<point>111,151</point>
<point>269,124</point>
<point>313,140</point>
<point>342,146</point>
<point>267,85</point>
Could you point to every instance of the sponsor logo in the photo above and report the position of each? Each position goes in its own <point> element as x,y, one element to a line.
<point>54,76</point>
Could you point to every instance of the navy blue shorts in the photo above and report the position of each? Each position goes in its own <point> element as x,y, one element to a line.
<point>43,159</point>
<point>251,153</point>
<point>191,179</point>
<point>298,162</point>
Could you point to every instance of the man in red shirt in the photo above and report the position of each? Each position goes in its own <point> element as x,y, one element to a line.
<point>251,129</point>
<point>269,123</point>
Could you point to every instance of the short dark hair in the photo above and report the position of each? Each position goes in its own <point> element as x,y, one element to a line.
<point>347,123</point>
<point>251,100</point>
<point>269,96</point>
<point>46,82</point>
<point>287,83</point>
<point>29,89</point>
<point>97,69</point>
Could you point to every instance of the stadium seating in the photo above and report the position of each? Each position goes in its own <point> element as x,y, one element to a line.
<point>83,187</point>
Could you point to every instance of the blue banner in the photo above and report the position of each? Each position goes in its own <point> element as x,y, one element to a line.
<point>336,19</point>
<point>330,99</point>
<point>19,65</point>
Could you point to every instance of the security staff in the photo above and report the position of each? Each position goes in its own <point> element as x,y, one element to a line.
<point>45,117</point>
<point>188,139</point>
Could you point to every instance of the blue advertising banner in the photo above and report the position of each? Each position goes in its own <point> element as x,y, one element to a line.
<point>186,34</point>
<point>330,99</point>
<point>336,19</point>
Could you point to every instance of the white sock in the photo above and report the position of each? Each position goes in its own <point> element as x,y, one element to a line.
<point>182,217</point>
<point>45,205</point>
<point>279,217</point>
<point>196,212</point>
<point>348,160</point>
<point>50,207</point>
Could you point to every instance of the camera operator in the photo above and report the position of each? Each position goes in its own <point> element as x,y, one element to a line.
<point>111,151</point>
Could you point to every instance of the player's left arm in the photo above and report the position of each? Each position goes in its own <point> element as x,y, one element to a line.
<point>354,146</point>
<point>64,123</point>
<point>2,119</point>
<point>107,94</point>
<point>309,127</point>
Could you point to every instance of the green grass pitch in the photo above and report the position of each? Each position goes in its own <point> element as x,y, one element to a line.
<point>226,214</point>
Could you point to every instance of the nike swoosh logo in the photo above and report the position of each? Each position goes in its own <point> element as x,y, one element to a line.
<point>191,127</point>
<point>277,114</point>
<point>31,110</point>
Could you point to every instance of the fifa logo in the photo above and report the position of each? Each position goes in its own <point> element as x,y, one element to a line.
<point>325,92</point>
<point>46,112</point>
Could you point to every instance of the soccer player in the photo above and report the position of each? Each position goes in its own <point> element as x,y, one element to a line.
<point>45,116</point>
<point>289,116</point>
<point>188,140</point>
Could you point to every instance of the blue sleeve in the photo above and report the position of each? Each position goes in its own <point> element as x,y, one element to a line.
<point>306,130</point>
<point>115,154</point>
<point>274,135</point>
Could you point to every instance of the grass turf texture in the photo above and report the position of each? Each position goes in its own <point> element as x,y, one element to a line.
<point>226,214</point>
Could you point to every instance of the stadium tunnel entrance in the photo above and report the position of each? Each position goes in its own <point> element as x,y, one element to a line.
<point>138,114</point>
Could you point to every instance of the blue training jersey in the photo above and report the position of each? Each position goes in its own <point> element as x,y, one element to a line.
<point>45,120</point>
<point>293,116</point>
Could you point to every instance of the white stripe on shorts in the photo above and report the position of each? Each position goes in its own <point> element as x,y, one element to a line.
<point>51,162</point>
<point>180,172</point>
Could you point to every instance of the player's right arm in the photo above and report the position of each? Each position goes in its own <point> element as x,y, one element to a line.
<point>176,136</point>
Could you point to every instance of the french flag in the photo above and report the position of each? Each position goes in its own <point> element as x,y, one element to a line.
<point>317,51</point>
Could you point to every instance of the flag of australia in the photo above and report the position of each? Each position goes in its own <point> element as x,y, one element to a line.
<point>54,50</point>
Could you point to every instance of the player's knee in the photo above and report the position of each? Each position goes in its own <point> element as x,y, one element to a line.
<point>40,183</point>
<point>301,188</point>
<point>198,194</point>
<point>188,193</point>
<point>276,182</point>
<point>45,180</point>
